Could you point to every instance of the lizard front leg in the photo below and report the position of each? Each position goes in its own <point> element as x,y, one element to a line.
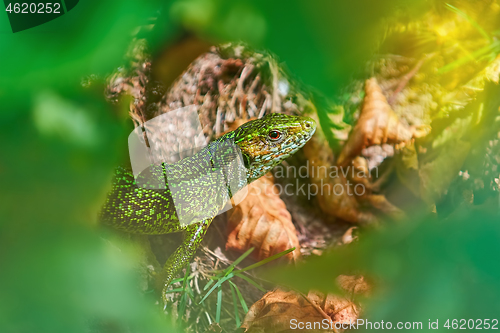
<point>193,235</point>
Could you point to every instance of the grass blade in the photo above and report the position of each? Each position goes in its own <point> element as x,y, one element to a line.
<point>176,290</point>
<point>227,275</point>
<point>265,261</point>
<point>237,261</point>
<point>208,318</point>
<point>208,284</point>
<point>230,274</point>
<point>493,47</point>
<point>246,278</point>
<point>176,280</point>
<point>219,305</point>
<point>217,285</point>
<point>240,296</point>
<point>189,291</point>
<point>235,304</point>
<point>182,305</point>
<point>183,301</point>
<point>229,269</point>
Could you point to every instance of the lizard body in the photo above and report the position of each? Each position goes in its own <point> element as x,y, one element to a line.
<point>263,143</point>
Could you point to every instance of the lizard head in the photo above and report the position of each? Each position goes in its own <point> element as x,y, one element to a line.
<point>266,142</point>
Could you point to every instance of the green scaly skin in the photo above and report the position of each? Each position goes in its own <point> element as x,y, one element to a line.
<point>140,210</point>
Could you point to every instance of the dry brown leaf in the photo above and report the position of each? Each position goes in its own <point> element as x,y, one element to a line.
<point>338,309</point>
<point>354,284</point>
<point>262,221</point>
<point>377,124</point>
<point>282,311</point>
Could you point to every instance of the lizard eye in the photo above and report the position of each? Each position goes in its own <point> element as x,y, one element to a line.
<point>274,135</point>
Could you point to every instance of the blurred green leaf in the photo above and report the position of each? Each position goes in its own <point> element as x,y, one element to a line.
<point>68,279</point>
<point>60,143</point>
<point>90,39</point>
<point>54,116</point>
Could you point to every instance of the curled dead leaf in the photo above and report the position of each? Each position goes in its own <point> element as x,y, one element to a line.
<point>285,311</point>
<point>377,124</point>
<point>262,221</point>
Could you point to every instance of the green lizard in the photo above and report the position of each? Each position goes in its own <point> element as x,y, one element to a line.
<point>263,143</point>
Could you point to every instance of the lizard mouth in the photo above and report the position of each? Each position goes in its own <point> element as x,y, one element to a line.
<point>301,137</point>
<point>308,127</point>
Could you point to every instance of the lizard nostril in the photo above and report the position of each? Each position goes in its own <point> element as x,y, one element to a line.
<point>308,125</point>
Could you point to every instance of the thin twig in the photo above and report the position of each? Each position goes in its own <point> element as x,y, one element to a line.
<point>218,117</point>
<point>265,105</point>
